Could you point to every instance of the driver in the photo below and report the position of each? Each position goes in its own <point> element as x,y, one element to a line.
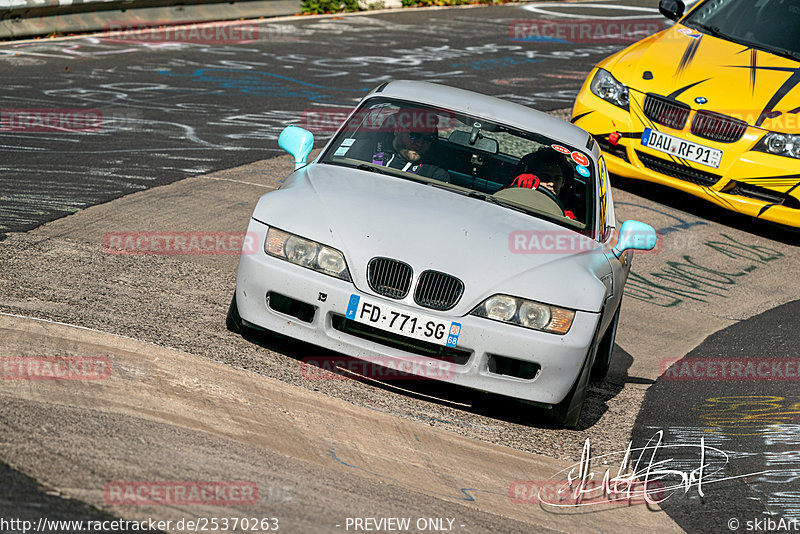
<point>413,133</point>
<point>549,169</point>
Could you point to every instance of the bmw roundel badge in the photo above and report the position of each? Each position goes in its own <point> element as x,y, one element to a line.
<point>701,100</point>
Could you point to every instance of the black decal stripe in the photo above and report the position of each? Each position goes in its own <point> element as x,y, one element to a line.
<point>576,118</point>
<point>688,54</point>
<point>783,177</point>
<point>753,69</point>
<point>759,67</point>
<point>639,112</point>
<point>764,209</point>
<point>784,89</point>
<point>675,94</point>
<point>789,192</point>
<point>795,186</point>
<point>719,198</point>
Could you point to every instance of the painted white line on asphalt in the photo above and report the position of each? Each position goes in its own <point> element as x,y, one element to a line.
<point>237,182</point>
<point>553,10</point>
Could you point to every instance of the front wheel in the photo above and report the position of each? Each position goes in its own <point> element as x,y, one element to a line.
<point>233,321</point>
<point>567,413</point>
<point>602,361</point>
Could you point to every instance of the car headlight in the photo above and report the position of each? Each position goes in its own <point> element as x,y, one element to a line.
<point>526,313</point>
<point>306,253</point>
<point>609,89</point>
<point>780,145</point>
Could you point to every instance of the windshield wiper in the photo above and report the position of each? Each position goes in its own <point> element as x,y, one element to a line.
<point>390,171</point>
<point>370,168</point>
<point>478,195</point>
<point>717,32</point>
<point>784,52</point>
<point>493,200</point>
<point>712,30</point>
<point>484,197</point>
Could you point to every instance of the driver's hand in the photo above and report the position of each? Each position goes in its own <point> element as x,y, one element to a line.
<point>549,187</point>
<point>530,181</point>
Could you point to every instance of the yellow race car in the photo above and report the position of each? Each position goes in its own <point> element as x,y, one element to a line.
<point>708,106</point>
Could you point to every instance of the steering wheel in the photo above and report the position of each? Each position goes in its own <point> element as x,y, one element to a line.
<point>532,182</point>
<point>552,196</point>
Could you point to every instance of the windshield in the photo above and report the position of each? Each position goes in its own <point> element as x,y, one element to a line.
<point>471,156</point>
<point>770,24</point>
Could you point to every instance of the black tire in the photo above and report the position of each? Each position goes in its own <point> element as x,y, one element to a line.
<point>567,413</point>
<point>233,321</point>
<point>602,361</point>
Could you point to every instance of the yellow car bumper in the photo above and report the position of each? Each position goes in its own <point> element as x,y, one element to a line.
<point>754,183</point>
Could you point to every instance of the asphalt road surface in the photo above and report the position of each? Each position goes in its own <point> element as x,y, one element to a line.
<point>168,111</point>
<point>756,420</point>
<point>186,142</point>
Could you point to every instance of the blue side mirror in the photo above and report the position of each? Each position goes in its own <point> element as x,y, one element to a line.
<point>635,235</point>
<point>297,142</point>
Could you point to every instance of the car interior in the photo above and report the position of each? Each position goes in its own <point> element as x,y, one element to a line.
<point>486,158</point>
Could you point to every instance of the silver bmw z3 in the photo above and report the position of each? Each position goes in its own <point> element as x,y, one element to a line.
<point>449,234</point>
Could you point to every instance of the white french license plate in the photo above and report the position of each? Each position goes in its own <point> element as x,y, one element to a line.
<point>386,317</point>
<point>681,148</point>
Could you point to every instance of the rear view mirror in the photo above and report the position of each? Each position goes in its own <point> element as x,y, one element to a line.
<point>484,144</point>
<point>635,235</point>
<point>297,142</point>
<point>672,9</point>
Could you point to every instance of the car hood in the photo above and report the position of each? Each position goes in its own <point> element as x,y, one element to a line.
<point>756,86</point>
<point>365,215</point>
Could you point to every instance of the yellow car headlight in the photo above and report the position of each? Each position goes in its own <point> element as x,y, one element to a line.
<point>609,89</point>
<point>780,144</point>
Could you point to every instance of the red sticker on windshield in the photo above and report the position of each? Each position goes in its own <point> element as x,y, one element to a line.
<point>580,159</point>
<point>559,148</point>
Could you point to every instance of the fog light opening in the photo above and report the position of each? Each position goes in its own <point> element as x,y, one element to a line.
<point>289,306</point>
<point>502,365</point>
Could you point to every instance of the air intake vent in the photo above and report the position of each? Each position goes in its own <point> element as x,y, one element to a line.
<point>438,291</point>
<point>718,127</point>
<point>676,170</point>
<point>388,277</point>
<point>666,112</point>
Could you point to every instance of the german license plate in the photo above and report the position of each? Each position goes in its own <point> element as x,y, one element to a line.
<point>681,148</point>
<point>409,324</point>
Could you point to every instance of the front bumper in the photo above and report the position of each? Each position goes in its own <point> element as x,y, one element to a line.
<point>560,358</point>
<point>749,182</point>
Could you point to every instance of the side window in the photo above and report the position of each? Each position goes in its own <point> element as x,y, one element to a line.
<point>602,191</point>
<point>608,220</point>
